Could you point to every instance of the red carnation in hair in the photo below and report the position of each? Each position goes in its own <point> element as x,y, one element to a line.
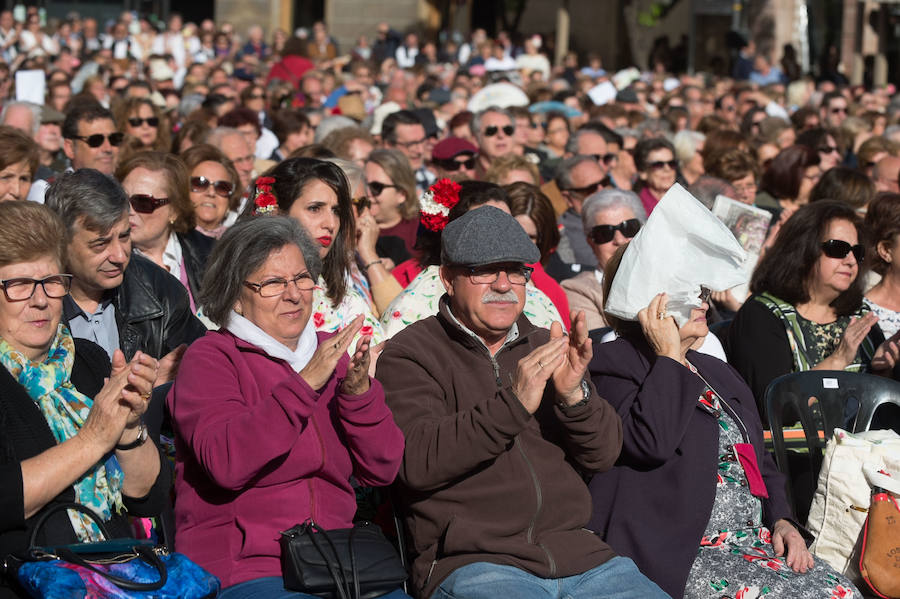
<point>446,192</point>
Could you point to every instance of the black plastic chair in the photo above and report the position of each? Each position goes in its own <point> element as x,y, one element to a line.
<point>821,400</point>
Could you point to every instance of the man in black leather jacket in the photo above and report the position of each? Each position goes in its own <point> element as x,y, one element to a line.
<point>118,299</point>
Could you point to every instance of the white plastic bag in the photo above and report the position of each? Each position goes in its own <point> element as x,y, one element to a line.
<point>682,247</point>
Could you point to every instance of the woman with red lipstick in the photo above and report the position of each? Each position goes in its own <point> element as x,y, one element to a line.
<point>316,194</point>
<point>807,310</point>
<point>694,499</point>
<point>67,433</point>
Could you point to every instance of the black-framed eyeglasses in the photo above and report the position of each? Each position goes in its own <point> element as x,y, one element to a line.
<point>277,286</point>
<point>96,140</point>
<point>451,164</point>
<point>377,187</point>
<point>221,187</point>
<point>705,294</point>
<point>138,121</point>
<point>601,234</point>
<point>659,164</point>
<point>604,158</point>
<point>589,188</point>
<point>828,149</point>
<point>410,144</point>
<point>487,275</point>
<point>20,289</point>
<point>146,203</point>
<point>493,130</point>
<point>838,249</point>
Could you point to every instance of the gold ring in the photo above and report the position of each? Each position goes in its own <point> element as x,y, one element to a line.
<point>660,315</point>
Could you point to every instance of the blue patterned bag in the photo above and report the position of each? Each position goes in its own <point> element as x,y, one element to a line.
<point>118,568</point>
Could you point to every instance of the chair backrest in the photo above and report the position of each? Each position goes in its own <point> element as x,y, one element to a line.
<point>720,329</point>
<point>821,400</point>
<point>881,392</point>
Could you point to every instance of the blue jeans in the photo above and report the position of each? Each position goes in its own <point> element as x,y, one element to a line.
<point>272,587</point>
<point>618,578</point>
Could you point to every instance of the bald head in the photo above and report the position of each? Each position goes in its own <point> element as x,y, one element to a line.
<point>886,174</point>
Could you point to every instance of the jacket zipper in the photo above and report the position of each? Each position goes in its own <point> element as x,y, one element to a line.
<point>312,505</point>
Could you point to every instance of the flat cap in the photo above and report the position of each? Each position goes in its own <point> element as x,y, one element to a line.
<point>486,235</point>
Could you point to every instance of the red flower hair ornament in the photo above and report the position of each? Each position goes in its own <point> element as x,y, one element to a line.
<point>264,201</point>
<point>436,204</point>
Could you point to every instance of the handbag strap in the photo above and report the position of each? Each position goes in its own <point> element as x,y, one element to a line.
<point>144,553</point>
<point>337,573</point>
<point>32,539</point>
<point>353,571</point>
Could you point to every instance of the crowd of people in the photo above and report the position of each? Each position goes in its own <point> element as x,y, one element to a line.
<point>390,265</point>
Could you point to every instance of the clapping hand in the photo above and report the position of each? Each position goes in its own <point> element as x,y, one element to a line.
<point>325,359</point>
<point>577,354</point>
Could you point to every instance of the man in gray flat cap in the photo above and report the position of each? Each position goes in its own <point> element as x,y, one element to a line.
<point>501,429</point>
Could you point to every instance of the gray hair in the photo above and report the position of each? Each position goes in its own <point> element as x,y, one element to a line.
<point>31,106</point>
<point>566,166</point>
<point>332,123</point>
<point>352,171</point>
<point>686,142</point>
<point>475,123</point>
<point>244,248</point>
<point>610,198</point>
<point>88,194</point>
<point>216,136</point>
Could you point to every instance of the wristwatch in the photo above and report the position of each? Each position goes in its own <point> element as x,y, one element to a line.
<point>585,397</point>
<point>140,440</point>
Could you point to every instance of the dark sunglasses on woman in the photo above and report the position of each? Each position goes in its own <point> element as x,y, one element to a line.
<point>657,165</point>
<point>452,164</point>
<point>377,187</point>
<point>838,249</point>
<point>137,122</point>
<point>201,184</point>
<point>145,203</point>
<point>605,233</point>
<point>493,129</point>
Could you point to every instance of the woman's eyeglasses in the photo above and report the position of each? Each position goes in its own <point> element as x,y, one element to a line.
<point>22,288</point>
<point>137,122</point>
<point>201,184</point>
<point>275,287</point>
<point>377,187</point>
<point>601,234</point>
<point>838,249</point>
<point>451,164</point>
<point>828,149</point>
<point>659,164</point>
<point>146,203</point>
<point>96,140</point>
<point>493,130</point>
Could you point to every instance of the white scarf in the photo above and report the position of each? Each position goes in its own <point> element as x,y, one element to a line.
<point>245,330</point>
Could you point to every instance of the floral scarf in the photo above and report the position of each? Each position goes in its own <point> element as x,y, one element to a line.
<point>49,384</point>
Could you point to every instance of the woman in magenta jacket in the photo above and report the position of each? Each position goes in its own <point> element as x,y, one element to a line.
<point>271,418</point>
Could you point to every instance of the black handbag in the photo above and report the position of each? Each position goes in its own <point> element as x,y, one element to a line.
<point>346,563</point>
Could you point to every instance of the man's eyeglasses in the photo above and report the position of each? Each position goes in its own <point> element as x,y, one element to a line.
<point>589,188</point>
<point>410,144</point>
<point>137,122</point>
<point>838,249</point>
<point>488,275</point>
<point>22,288</point>
<point>839,109</point>
<point>451,164</point>
<point>377,187</point>
<point>222,188</point>
<point>605,158</point>
<point>145,203</point>
<point>256,96</point>
<point>96,140</point>
<point>277,286</point>
<point>601,234</point>
<point>660,164</point>
<point>493,130</point>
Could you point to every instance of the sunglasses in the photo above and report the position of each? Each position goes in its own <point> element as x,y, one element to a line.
<point>838,249</point>
<point>455,165</point>
<point>838,110</point>
<point>590,188</point>
<point>96,140</point>
<point>377,187</point>
<point>601,234</point>
<point>201,184</point>
<point>137,122</point>
<point>256,96</point>
<point>493,130</point>
<point>145,203</point>
<point>605,158</point>
<point>361,204</point>
<point>659,164</point>
<point>828,149</point>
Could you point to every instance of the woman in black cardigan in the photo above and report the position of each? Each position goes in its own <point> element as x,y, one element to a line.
<point>66,433</point>
<point>694,499</point>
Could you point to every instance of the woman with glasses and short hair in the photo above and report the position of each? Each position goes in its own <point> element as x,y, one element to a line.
<point>141,119</point>
<point>162,217</point>
<point>806,311</point>
<point>67,432</point>
<point>611,218</point>
<point>215,188</point>
<point>657,170</point>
